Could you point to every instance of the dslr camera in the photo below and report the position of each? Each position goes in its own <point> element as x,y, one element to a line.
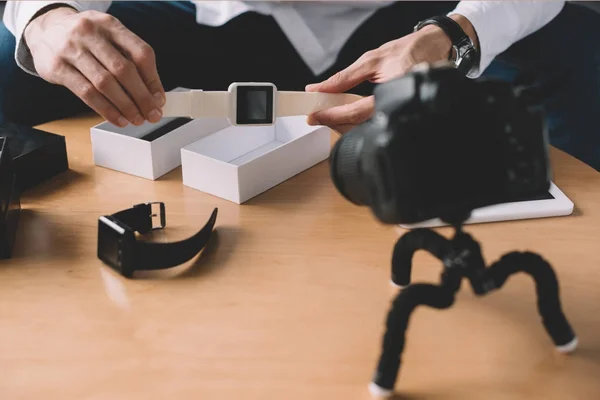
<point>440,145</point>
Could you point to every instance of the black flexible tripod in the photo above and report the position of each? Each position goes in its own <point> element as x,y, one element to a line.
<point>462,258</point>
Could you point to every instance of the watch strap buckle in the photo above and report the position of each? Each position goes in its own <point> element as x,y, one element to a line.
<point>159,214</point>
<point>154,217</point>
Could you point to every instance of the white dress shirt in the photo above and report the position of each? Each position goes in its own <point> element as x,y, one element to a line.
<point>318,30</point>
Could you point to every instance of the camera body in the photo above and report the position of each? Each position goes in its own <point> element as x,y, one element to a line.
<point>441,145</point>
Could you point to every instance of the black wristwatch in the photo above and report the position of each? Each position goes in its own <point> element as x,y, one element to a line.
<point>465,56</point>
<point>120,250</point>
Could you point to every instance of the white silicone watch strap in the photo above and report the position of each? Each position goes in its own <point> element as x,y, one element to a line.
<point>305,103</point>
<point>212,104</point>
<point>198,104</point>
<point>178,104</point>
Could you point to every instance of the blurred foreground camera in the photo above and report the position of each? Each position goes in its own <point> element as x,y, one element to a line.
<point>440,145</point>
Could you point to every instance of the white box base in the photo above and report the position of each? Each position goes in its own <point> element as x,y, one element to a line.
<point>126,150</point>
<point>139,151</point>
<point>239,163</point>
<point>558,206</point>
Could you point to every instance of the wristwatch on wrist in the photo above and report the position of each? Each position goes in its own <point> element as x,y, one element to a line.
<point>250,103</point>
<point>464,55</point>
<point>120,250</point>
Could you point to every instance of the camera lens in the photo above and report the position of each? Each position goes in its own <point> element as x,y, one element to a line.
<point>345,167</point>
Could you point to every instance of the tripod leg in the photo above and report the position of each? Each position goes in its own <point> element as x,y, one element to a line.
<point>548,296</point>
<point>404,304</point>
<point>408,244</point>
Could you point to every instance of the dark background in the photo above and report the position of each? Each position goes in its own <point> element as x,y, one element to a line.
<point>592,4</point>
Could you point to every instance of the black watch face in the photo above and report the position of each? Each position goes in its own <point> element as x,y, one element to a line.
<point>254,105</point>
<point>112,245</point>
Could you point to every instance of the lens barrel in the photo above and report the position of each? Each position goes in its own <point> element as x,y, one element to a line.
<point>345,167</point>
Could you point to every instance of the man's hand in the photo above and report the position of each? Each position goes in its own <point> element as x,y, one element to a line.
<point>391,60</point>
<point>107,66</point>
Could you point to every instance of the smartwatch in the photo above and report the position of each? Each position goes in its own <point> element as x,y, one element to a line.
<point>250,103</point>
<point>464,56</point>
<point>119,248</point>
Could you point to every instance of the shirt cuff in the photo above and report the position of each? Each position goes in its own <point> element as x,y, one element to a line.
<point>26,11</point>
<point>500,24</point>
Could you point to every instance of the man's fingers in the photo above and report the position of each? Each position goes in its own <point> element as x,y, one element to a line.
<point>361,70</point>
<point>85,90</point>
<point>144,58</point>
<point>106,84</point>
<point>127,74</point>
<point>349,114</point>
<point>342,129</point>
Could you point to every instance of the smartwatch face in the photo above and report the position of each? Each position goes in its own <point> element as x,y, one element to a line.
<point>254,105</point>
<point>112,244</point>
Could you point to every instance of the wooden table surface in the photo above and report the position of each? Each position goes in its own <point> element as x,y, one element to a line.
<point>287,302</point>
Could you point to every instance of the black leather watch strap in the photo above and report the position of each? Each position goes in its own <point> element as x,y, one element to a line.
<point>466,56</point>
<point>151,255</point>
<point>448,25</point>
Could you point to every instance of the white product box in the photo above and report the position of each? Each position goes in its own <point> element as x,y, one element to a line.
<point>152,149</point>
<point>238,163</point>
